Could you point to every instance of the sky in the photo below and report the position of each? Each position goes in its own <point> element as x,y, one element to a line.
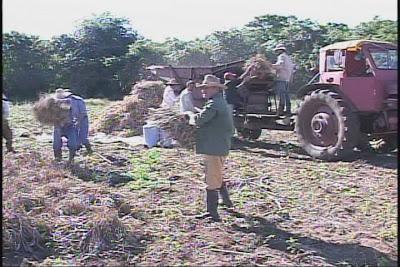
<point>182,19</point>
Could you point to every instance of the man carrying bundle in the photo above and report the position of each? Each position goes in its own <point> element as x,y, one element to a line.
<point>171,93</point>
<point>7,132</point>
<point>213,139</point>
<point>170,98</point>
<point>186,98</point>
<point>284,70</point>
<point>231,92</point>
<point>66,129</point>
<point>79,116</point>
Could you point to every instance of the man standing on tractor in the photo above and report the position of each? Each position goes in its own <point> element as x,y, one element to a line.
<point>284,70</point>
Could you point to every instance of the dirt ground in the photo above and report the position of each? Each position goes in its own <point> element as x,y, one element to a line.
<point>129,205</point>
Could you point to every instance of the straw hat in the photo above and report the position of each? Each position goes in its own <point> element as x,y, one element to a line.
<point>211,81</point>
<point>173,82</point>
<point>280,47</point>
<point>62,93</point>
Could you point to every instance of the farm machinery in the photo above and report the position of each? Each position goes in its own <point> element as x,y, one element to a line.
<point>351,99</point>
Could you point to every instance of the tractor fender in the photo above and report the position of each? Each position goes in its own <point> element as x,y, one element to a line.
<point>331,87</point>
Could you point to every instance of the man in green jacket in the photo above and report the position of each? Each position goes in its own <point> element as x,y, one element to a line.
<point>213,139</point>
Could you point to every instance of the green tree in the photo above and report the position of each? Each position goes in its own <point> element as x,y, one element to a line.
<point>26,68</point>
<point>231,45</point>
<point>94,55</point>
<point>133,64</point>
<point>377,29</point>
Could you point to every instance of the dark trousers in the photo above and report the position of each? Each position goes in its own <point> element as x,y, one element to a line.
<point>7,134</point>
<point>282,88</point>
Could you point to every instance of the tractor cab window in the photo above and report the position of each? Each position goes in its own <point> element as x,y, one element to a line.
<point>357,64</point>
<point>335,60</point>
<point>385,59</point>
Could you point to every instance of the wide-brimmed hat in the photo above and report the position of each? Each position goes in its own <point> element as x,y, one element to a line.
<point>62,93</point>
<point>280,47</point>
<point>173,82</point>
<point>211,81</point>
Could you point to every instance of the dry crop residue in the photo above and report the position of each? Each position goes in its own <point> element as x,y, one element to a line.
<point>135,206</point>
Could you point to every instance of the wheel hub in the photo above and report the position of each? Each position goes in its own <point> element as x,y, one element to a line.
<point>320,123</point>
<point>324,127</point>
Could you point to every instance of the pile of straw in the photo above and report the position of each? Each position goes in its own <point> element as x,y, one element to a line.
<point>103,233</point>
<point>261,67</point>
<point>20,234</point>
<point>130,113</point>
<point>176,125</point>
<point>51,111</point>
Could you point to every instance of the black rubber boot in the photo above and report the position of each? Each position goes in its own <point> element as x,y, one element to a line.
<point>58,155</point>
<point>9,146</point>
<point>71,156</point>
<point>225,196</point>
<point>280,111</point>
<point>212,206</point>
<point>89,148</point>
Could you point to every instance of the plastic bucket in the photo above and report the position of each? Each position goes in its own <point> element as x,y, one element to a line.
<point>165,139</point>
<point>151,134</point>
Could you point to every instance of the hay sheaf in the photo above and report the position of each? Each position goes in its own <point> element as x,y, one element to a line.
<point>262,68</point>
<point>104,231</point>
<point>20,233</point>
<point>175,125</point>
<point>51,111</point>
<point>130,113</point>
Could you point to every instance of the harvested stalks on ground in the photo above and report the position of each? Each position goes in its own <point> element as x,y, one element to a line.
<point>72,207</point>
<point>106,230</point>
<point>175,125</point>
<point>51,111</point>
<point>130,113</point>
<point>19,233</point>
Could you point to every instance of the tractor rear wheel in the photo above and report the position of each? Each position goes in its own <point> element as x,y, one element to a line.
<point>251,134</point>
<point>326,127</point>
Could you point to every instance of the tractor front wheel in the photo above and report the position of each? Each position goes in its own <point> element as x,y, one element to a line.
<point>326,127</point>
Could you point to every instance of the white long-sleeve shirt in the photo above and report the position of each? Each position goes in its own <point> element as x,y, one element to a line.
<point>169,97</point>
<point>284,67</point>
<point>186,101</point>
<point>6,108</point>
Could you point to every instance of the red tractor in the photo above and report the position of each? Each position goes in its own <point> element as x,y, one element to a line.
<point>355,97</point>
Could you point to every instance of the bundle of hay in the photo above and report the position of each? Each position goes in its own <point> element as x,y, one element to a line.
<point>51,111</point>
<point>130,113</point>
<point>105,230</point>
<point>261,67</point>
<point>171,121</point>
<point>20,234</point>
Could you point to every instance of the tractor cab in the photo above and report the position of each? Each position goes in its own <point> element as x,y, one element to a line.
<point>365,72</point>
